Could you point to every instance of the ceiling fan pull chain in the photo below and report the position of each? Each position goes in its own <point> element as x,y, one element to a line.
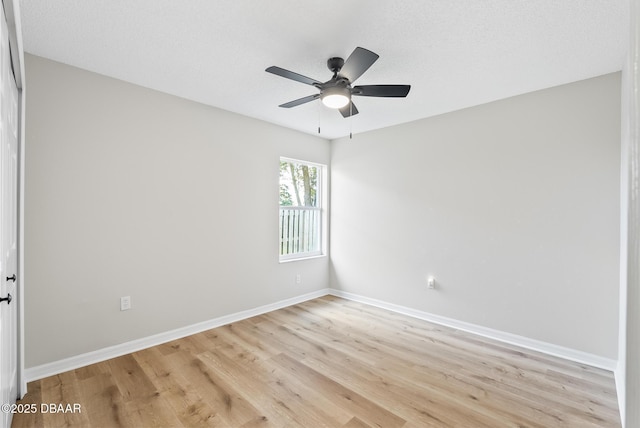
<point>350,120</point>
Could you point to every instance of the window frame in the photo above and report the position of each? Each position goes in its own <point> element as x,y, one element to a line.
<point>321,194</point>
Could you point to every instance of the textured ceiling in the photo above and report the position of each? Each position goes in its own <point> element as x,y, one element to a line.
<point>455,54</point>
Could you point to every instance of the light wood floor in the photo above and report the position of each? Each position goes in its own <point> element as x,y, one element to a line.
<point>330,362</point>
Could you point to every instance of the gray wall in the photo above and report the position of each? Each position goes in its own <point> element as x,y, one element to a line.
<point>134,192</point>
<point>514,207</point>
<point>628,373</point>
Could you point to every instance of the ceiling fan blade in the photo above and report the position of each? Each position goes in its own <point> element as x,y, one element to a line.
<point>381,90</point>
<point>358,62</point>
<point>293,76</point>
<point>349,110</point>
<point>300,101</point>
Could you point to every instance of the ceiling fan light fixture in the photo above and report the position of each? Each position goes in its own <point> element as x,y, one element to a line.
<point>336,97</point>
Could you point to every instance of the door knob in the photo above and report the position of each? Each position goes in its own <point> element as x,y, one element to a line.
<point>12,278</point>
<point>7,299</point>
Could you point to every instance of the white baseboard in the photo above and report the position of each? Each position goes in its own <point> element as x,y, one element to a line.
<point>513,339</point>
<point>71,363</point>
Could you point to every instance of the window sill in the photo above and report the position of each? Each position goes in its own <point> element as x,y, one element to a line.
<point>297,259</point>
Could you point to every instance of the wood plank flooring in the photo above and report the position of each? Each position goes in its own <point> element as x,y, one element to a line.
<point>329,362</point>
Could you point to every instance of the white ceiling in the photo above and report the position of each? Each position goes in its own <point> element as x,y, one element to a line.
<point>455,54</point>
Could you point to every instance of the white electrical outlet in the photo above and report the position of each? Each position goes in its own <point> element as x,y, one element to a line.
<point>431,282</point>
<point>298,278</point>
<point>125,303</point>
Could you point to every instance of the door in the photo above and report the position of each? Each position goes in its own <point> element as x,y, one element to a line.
<point>8,228</point>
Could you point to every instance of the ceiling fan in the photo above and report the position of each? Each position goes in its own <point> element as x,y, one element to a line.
<point>337,92</point>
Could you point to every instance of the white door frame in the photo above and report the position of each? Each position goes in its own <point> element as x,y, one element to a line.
<point>14,25</point>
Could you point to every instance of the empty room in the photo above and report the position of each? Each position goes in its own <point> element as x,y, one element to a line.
<point>303,214</point>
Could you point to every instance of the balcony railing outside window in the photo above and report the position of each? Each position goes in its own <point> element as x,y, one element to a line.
<point>299,231</point>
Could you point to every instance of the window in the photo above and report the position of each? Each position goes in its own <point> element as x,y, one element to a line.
<point>300,209</point>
